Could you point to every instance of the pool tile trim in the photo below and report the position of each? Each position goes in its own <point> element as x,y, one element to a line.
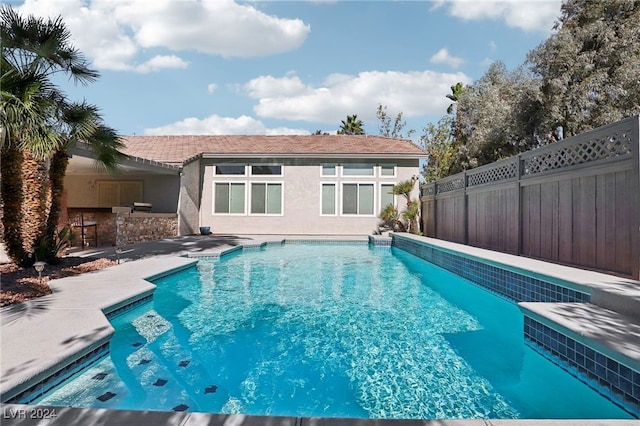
<point>561,346</point>
<point>512,283</point>
<point>43,386</point>
<point>614,380</point>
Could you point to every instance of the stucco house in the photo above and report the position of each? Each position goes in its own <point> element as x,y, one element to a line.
<point>252,184</point>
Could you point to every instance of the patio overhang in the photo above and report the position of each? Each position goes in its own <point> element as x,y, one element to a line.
<point>83,161</point>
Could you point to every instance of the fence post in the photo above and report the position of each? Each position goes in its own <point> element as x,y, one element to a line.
<point>519,172</point>
<point>635,198</point>
<point>465,208</point>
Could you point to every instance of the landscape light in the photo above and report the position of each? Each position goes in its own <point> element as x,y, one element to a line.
<point>39,268</point>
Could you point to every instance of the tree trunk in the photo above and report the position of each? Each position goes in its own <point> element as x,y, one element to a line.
<point>12,197</point>
<point>35,203</point>
<point>414,228</point>
<point>57,171</point>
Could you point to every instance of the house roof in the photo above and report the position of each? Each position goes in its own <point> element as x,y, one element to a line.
<point>178,149</point>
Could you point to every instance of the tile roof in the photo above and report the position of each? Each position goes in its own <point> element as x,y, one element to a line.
<point>177,149</point>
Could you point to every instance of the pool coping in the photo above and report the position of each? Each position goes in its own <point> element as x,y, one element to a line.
<point>24,415</point>
<point>33,350</point>
<point>83,302</point>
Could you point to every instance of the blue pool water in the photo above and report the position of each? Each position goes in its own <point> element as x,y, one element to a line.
<point>340,330</point>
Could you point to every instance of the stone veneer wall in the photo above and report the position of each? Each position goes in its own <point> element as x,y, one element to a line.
<point>142,227</point>
<point>106,228</point>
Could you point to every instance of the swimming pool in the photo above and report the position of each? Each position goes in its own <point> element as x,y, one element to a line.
<point>339,330</point>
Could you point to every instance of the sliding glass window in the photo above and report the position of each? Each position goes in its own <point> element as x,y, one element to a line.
<point>328,199</point>
<point>266,198</point>
<point>386,195</point>
<point>357,199</point>
<point>229,198</point>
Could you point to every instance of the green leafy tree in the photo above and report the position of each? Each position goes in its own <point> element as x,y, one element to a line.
<point>443,151</point>
<point>590,68</point>
<point>352,126</point>
<point>497,115</point>
<point>388,130</point>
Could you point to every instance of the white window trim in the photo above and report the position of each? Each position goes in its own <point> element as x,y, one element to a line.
<point>329,164</point>
<point>372,176</point>
<point>215,170</point>
<point>266,176</point>
<point>248,195</point>
<point>213,200</point>
<point>395,171</point>
<point>375,201</point>
<point>336,201</point>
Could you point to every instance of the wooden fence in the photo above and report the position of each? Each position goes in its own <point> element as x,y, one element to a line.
<point>574,202</point>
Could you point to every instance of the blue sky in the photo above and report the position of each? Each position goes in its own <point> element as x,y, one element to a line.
<point>287,67</point>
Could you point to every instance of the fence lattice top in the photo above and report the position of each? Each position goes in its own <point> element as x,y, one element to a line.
<point>607,146</point>
<point>500,171</point>
<point>450,184</point>
<point>607,142</point>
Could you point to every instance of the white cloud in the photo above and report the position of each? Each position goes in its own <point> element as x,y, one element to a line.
<point>412,93</point>
<point>528,15</point>
<point>443,57</point>
<point>115,33</point>
<point>216,125</point>
<point>219,27</point>
<point>212,87</point>
<point>159,62</point>
<point>268,86</point>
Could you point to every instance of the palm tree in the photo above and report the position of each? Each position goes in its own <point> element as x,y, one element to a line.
<point>33,50</point>
<point>391,219</point>
<point>23,114</point>
<point>413,207</point>
<point>456,90</point>
<point>352,126</point>
<point>80,124</point>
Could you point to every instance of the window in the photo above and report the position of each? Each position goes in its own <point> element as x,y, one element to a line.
<point>229,198</point>
<point>266,169</point>
<point>266,198</point>
<point>386,195</point>
<point>230,169</point>
<point>328,200</point>
<point>357,198</point>
<point>328,170</point>
<point>357,170</point>
<point>387,170</point>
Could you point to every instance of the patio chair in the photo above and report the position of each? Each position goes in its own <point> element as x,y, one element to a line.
<point>85,227</point>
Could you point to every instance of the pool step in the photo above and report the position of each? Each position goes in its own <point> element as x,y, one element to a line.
<point>621,296</point>
<point>600,346</point>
